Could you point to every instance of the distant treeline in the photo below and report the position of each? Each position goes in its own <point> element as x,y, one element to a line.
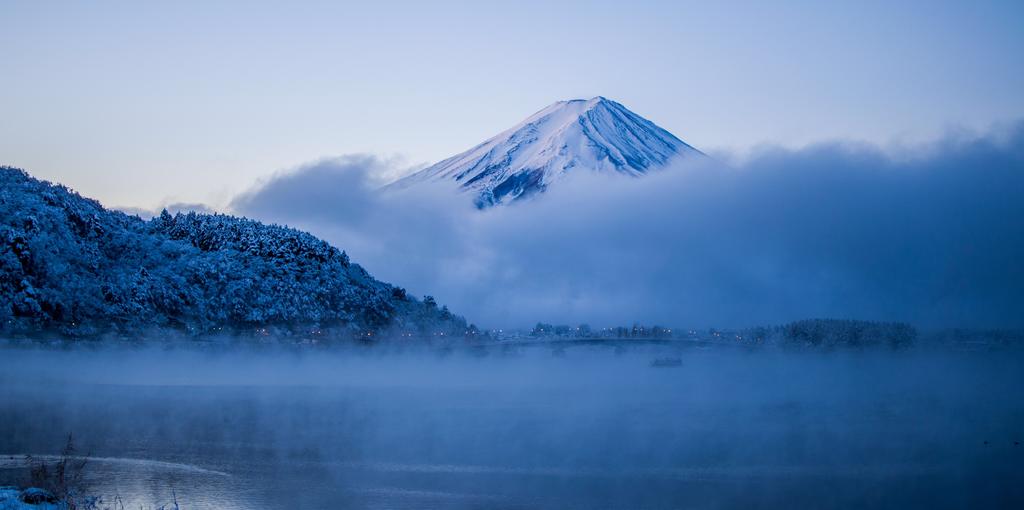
<point>831,333</point>
<point>812,333</point>
<point>585,331</point>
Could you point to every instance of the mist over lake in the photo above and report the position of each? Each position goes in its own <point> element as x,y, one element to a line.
<point>535,255</point>
<point>587,427</point>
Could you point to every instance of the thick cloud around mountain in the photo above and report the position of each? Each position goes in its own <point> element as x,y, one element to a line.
<point>933,235</point>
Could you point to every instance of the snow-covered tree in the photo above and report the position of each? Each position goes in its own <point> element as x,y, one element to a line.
<point>69,266</point>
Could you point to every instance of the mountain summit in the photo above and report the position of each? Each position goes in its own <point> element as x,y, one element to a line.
<point>595,134</point>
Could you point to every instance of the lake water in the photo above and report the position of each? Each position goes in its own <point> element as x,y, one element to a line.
<point>580,428</point>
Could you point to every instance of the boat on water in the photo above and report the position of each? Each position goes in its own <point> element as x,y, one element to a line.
<point>666,362</point>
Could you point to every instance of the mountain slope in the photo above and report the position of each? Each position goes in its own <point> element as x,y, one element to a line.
<point>596,134</point>
<point>68,266</point>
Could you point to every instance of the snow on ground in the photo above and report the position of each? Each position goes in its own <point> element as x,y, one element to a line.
<point>11,499</point>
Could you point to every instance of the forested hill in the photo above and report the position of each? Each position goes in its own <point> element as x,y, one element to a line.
<point>70,267</point>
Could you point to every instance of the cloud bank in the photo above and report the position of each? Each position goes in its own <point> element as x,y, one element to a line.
<point>933,235</point>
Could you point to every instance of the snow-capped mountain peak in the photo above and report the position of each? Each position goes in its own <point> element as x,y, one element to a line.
<point>594,134</point>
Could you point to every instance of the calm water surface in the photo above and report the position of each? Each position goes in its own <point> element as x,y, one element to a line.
<point>587,428</point>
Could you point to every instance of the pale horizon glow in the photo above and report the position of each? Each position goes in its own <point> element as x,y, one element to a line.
<point>140,106</point>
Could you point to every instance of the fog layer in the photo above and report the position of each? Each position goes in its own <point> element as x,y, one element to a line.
<point>575,428</point>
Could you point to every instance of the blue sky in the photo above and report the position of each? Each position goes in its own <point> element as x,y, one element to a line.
<point>138,105</point>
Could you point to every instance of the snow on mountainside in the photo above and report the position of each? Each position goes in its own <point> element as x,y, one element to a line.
<point>71,268</point>
<point>595,135</point>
